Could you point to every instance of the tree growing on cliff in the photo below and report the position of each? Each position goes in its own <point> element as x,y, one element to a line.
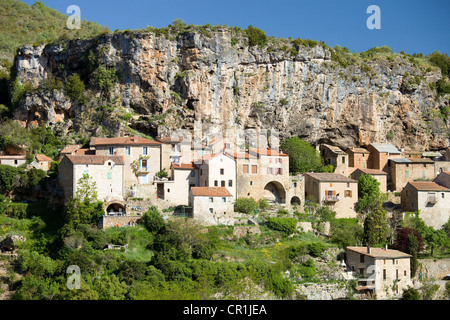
<point>302,156</point>
<point>256,37</point>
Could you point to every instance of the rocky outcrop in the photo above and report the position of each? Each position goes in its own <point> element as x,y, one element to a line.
<point>169,82</point>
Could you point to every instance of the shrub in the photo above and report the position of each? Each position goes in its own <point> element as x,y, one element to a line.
<point>75,87</point>
<point>302,156</point>
<point>286,226</point>
<point>256,36</point>
<point>152,220</point>
<point>316,249</point>
<point>245,205</point>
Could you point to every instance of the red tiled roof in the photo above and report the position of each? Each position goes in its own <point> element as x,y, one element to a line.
<point>43,157</point>
<point>358,150</point>
<point>207,157</point>
<point>187,166</point>
<point>210,192</point>
<point>379,253</point>
<point>329,177</point>
<point>85,151</point>
<point>168,140</point>
<point>428,186</point>
<point>17,157</point>
<point>92,159</point>
<point>267,152</point>
<point>372,171</point>
<point>122,141</point>
<point>240,155</point>
<point>70,148</point>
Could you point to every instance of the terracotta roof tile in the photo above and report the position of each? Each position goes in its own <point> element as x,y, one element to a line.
<point>240,155</point>
<point>70,148</point>
<point>266,152</point>
<point>372,171</point>
<point>329,177</point>
<point>122,141</point>
<point>92,159</point>
<point>187,166</point>
<point>428,186</point>
<point>43,157</point>
<point>379,253</point>
<point>358,150</point>
<point>210,192</point>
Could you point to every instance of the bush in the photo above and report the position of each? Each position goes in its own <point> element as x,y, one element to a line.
<point>316,249</point>
<point>245,205</point>
<point>302,156</point>
<point>152,220</point>
<point>75,87</point>
<point>286,226</point>
<point>256,36</point>
<point>411,294</point>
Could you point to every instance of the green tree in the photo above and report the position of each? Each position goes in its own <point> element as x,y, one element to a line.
<point>152,220</point>
<point>286,226</point>
<point>75,88</point>
<point>412,246</point>
<point>369,195</point>
<point>302,156</point>
<point>256,37</point>
<point>410,294</point>
<point>245,205</point>
<point>376,227</point>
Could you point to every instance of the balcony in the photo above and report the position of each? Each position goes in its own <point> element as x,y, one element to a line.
<point>331,199</point>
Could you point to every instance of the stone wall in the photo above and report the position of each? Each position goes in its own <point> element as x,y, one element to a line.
<point>323,291</point>
<point>118,221</point>
<point>242,231</point>
<point>434,269</point>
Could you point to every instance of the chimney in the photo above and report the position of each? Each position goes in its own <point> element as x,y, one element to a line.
<point>386,247</point>
<point>368,249</point>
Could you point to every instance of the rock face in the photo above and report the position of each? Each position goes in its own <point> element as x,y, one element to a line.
<point>170,82</point>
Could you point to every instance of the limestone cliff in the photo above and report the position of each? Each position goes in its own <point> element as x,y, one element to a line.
<point>166,82</point>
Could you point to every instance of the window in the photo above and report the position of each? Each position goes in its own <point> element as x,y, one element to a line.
<point>222,183</point>
<point>396,273</point>
<point>348,184</point>
<point>361,258</point>
<point>406,173</point>
<point>224,199</point>
<point>111,151</point>
<point>109,175</point>
<point>254,169</point>
<point>222,171</point>
<point>211,199</point>
<point>15,162</point>
<point>404,273</point>
<point>245,168</point>
<point>201,172</point>
<point>295,184</point>
<point>384,274</point>
<point>363,164</point>
<point>361,271</point>
<point>348,193</point>
<point>424,174</point>
<point>216,183</point>
<point>443,195</point>
<point>230,183</point>
<point>86,172</point>
<point>343,160</point>
<point>127,151</point>
<point>145,151</point>
<point>251,183</point>
<point>211,210</point>
<point>192,173</point>
<point>143,165</point>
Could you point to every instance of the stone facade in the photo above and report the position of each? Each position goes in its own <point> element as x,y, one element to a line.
<point>380,153</point>
<point>13,161</point>
<point>217,170</point>
<point>334,190</point>
<point>385,272</point>
<point>404,170</point>
<point>379,175</point>
<point>432,199</point>
<point>118,221</point>
<point>359,158</point>
<point>212,205</point>
<point>106,171</point>
<point>335,156</point>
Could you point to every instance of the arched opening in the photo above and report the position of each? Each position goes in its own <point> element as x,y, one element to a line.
<point>295,201</point>
<point>115,209</point>
<point>274,192</point>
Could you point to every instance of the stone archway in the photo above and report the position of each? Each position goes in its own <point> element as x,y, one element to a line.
<point>115,208</point>
<point>275,192</point>
<point>295,201</point>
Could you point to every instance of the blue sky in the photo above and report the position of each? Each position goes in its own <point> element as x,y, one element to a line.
<point>408,25</point>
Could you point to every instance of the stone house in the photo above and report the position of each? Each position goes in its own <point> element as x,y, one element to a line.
<point>212,205</point>
<point>380,154</point>
<point>404,170</point>
<point>106,171</point>
<point>142,160</point>
<point>175,190</point>
<point>13,161</point>
<point>335,190</point>
<point>174,150</point>
<point>43,162</point>
<point>379,175</point>
<point>335,156</point>
<point>217,170</point>
<point>358,158</point>
<point>432,198</point>
<point>381,272</point>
